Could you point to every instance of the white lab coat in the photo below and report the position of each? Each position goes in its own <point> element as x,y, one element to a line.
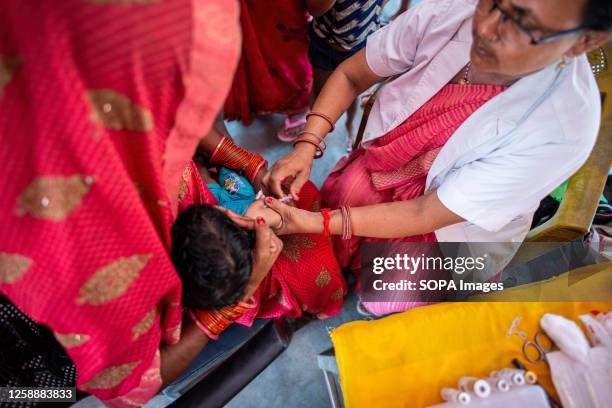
<point>508,155</point>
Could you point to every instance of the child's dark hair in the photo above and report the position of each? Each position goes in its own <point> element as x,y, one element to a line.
<point>212,256</point>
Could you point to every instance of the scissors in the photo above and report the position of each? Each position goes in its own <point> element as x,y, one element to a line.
<point>534,350</point>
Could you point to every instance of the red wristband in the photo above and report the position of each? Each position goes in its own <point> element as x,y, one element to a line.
<point>326,219</point>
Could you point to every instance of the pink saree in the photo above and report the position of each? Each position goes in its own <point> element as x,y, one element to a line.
<point>103,103</point>
<point>395,167</point>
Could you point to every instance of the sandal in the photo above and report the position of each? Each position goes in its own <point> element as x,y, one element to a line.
<point>291,130</point>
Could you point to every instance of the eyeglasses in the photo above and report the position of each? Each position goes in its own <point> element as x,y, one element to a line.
<point>506,16</point>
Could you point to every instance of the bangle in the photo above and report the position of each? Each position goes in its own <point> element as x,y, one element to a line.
<point>347,228</point>
<point>214,322</point>
<point>320,141</point>
<point>212,157</point>
<point>319,153</point>
<point>305,132</point>
<point>227,154</point>
<point>326,219</point>
<point>200,326</point>
<point>322,116</point>
<point>263,162</point>
<point>252,168</point>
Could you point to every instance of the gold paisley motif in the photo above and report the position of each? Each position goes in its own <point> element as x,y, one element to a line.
<point>293,244</point>
<point>182,190</point>
<point>111,377</point>
<point>112,280</point>
<point>117,112</point>
<point>323,279</point>
<point>53,197</point>
<point>304,307</point>
<point>13,266</point>
<point>71,340</point>
<point>8,66</point>
<point>337,295</point>
<point>316,206</point>
<point>144,325</point>
<point>122,2</point>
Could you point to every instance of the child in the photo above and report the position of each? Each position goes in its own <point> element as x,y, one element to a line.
<point>339,29</point>
<point>212,254</point>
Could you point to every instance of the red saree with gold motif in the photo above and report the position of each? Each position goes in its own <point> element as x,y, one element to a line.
<point>103,103</point>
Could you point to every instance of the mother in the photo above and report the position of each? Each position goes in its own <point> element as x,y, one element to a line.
<point>492,107</point>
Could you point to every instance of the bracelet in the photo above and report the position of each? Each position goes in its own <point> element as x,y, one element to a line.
<point>214,322</point>
<point>319,153</point>
<point>326,219</point>
<point>254,165</point>
<point>322,116</point>
<point>347,228</point>
<point>263,163</point>
<point>212,157</point>
<point>305,132</point>
<point>320,141</point>
<point>233,157</point>
<point>201,326</point>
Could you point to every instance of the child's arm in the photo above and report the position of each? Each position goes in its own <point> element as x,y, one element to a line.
<point>319,7</point>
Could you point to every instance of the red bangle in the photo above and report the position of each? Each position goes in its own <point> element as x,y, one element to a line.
<point>201,326</point>
<point>326,219</point>
<point>212,156</point>
<point>320,152</point>
<point>259,166</point>
<point>322,116</point>
<point>304,136</point>
<point>252,168</point>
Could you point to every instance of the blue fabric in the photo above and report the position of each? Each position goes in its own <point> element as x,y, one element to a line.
<point>323,56</point>
<point>233,192</point>
<point>348,23</point>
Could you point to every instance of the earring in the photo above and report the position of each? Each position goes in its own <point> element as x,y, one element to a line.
<point>598,61</point>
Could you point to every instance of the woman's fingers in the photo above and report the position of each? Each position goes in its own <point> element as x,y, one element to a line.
<point>263,256</point>
<point>282,209</point>
<point>262,237</point>
<point>243,222</point>
<point>297,185</point>
<point>275,183</point>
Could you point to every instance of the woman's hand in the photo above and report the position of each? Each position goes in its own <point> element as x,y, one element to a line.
<point>241,221</point>
<point>293,169</point>
<point>267,248</point>
<point>295,220</point>
<point>258,209</point>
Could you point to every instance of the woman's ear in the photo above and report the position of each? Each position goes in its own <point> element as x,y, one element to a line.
<point>589,41</point>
